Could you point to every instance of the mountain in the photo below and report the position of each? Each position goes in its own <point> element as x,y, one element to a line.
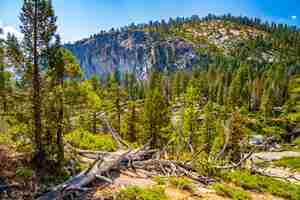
<point>132,51</point>
<point>179,44</point>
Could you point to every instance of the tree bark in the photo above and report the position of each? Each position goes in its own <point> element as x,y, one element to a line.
<point>36,100</point>
<point>59,132</point>
<point>94,123</point>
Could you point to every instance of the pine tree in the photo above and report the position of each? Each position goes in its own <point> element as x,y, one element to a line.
<point>3,78</point>
<point>116,96</point>
<point>14,52</point>
<point>239,91</point>
<point>293,105</point>
<point>132,123</point>
<point>267,102</point>
<point>96,88</point>
<point>177,85</point>
<point>38,26</point>
<point>190,119</point>
<point>208,129</point>
<point>156,118</point>
<point>238,133</point>
<point>57,71</point>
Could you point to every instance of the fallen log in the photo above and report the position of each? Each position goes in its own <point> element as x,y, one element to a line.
<point>158,167</point>
<point>101,166</point>
<point>287,176</point>
<point>98,170</point>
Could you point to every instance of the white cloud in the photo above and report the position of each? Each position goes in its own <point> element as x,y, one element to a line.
<point>294,17</point>
<point>12,30</point>
<point>9,29</point>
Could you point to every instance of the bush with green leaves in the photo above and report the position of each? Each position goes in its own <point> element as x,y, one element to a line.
<point>275,131</point>
<point>15,134</point>
<point>85,140</point>
<point>138,193</point>
<point>161,180</point>
<point>24,173</point>
<point>260,183</point>
<point>297,141</point>
<point>57,178</point>
<point>182,183</point>
<point>292,162</point>
<point>231,192</point>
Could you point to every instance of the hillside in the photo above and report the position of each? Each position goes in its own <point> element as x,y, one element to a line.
<point>180,44</point>
<point>132,51</point>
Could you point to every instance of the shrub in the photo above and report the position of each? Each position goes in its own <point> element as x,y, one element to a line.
<point>293,163</point>
<point>85,140</point>
<point>24,173</point>
<point>231,192</point>
<point>182,183</point>
<point>160,180</point>
<point>138,193</point>
<point>55,178</point>
<point>297,141</point>
<point>264,184</point>
<point>16,136</point>
<point>4,139</point>
<point>275,131</point>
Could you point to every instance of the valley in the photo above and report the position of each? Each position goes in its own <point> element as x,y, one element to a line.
<point>188,108</point>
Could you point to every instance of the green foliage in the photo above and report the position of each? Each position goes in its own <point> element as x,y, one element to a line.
<point>239,87</point>
<point>91,98</point>
<point>24,173</point>
<point>293,105</point>
<point>57,178</point>
<point>178,182</point>
<point>208,130</point>
<point>231,192</point>
<point>86,140</point>
<point>182,183</point>
<point>238,132</point>
<point>190,116</point>
<point>160,180</point>
<point>132,123</point>
<point>137,193</point>
<point>156,114</point>
<point>297,141</point>
<point>275,131</point>
<point>72,67</point>
<point>293,163</point>
<point>15,134</point>
<point>264,184</point>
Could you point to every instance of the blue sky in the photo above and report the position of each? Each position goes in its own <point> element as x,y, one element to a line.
<point>80,18</point>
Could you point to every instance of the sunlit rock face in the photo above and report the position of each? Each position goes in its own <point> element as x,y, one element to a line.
<point>134,52</point>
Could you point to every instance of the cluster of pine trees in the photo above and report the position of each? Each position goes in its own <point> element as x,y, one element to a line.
<point>33,76</point>
<point>223,101</point>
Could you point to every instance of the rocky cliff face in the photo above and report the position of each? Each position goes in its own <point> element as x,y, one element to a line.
<point>135,52</point>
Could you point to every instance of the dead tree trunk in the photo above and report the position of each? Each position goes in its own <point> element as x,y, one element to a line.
<point>80,181</point>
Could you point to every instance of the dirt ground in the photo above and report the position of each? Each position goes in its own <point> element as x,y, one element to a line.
<point>127,179</point>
